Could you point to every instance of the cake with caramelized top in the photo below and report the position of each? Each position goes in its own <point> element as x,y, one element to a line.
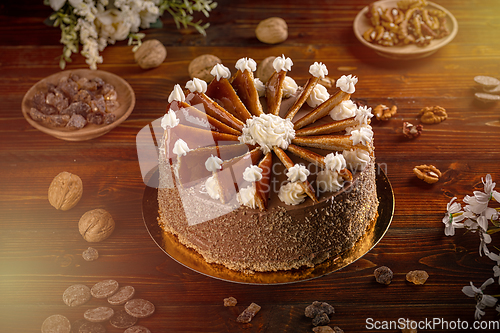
<point>266,177</point>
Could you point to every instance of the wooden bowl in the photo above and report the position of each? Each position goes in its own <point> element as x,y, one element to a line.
<point>126,98</point>
<point>404,52</point>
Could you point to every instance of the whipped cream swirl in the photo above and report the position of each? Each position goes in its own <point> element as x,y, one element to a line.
<point>246,196</point>
<point>363,134</point>
<point>177,94</point>
<point>298,173</point>
<point>292,194</point>
<point>346,109</point>
<point>212,187</point>
<point>181,148</point>
<point>356,159</point>
<point>363,114</point>
<point>260,86</point>
<point>329,181</point>
<point>246,64</point>
<point>169,120</point>
<point>268,131</point>
<point>289,87</point>
<point>318,95</point>
<point>335,162</point>
<point>347,83</point>
<point>252,173</point>
<point>282,64</point>
<point>213,163</point>
<point>318,70</point>
<point>197,85</point>
<point>220,71</point>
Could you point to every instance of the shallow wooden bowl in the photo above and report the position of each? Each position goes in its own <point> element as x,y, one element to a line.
<point>126,98</point>
<point>405,52</point>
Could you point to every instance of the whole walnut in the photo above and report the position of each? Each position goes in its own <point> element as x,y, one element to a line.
<point>201,66</point>
<point>273,30</point>
<point>265,69</point>
<point>96,225</point>
<point>65,191</point>
<point>150,54</point>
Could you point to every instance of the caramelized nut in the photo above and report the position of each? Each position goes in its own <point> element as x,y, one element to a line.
<point>428,173</point>
<point>412,131</point>
<point>432,115</point>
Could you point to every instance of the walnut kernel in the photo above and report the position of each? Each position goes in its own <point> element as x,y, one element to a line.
<point>201,66</point>
<point>412,131</point>
<point>65,191</point>
<point>428,173</point>
<point>432,115</point>
<point>383,112</point>
<point>150,54</point>
<point>265,69</point>
<point>96,225</point>
<point>273,30</point>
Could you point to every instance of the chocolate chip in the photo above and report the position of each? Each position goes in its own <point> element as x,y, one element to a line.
<point>139,308</point>
<point>89,327</point>
<point>137,329</point>
<point>123,295</point>
<point>56,324</point>
<point>121,319</point>
<point>76,295</point>
<point>99,315</point>
<point>104,288</point>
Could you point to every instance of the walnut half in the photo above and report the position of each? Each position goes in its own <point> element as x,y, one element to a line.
<point>428,173</point>
<point>432,115</point>
<point>383,112</point>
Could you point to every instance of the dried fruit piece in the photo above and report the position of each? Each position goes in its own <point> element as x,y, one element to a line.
<point>417,277</point>
<point>383,275</point>
<point>383,112</point>
<point>104,289</point>
<point>428,173</point>
<point>65,190</point>
<point>96,225</point>
<point>412,131</point>
<point>321,319</point>
<point>76,295</point>
<point>139,308</point>
<point>90,254</point>
<point>487,81</point>
<point>432,115</point>
<point>230,301</point>
<point>486,98</point>
<point>56,324</point>
<point>247,315</point>
<point>99,315</point>
<point>317,308</point>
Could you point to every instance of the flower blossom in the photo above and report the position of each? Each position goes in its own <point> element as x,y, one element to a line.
<point>482,300</point>
<point>453,215</point>
<point>496,268</point>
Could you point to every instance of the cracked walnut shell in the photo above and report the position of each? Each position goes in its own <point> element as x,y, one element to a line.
<point>150,54</point>
<point>428,173</point>
<point>272,30</point>
<point>432,115</point>
<point>96,225</point>
<point>65,191</point>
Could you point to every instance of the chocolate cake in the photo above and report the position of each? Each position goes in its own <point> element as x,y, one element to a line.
<point>266,177</point>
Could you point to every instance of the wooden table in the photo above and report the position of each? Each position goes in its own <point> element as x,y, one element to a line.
<point>40,247</point>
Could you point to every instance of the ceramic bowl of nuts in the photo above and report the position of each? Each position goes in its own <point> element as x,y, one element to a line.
<point>78,105</point>
<point>405,29</point>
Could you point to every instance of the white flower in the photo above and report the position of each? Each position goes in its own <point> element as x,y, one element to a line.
<point>453,215</point>
<point>56,4</point>
<point>483,235</point>
<point>482,300</point>
<point>496,268</point>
